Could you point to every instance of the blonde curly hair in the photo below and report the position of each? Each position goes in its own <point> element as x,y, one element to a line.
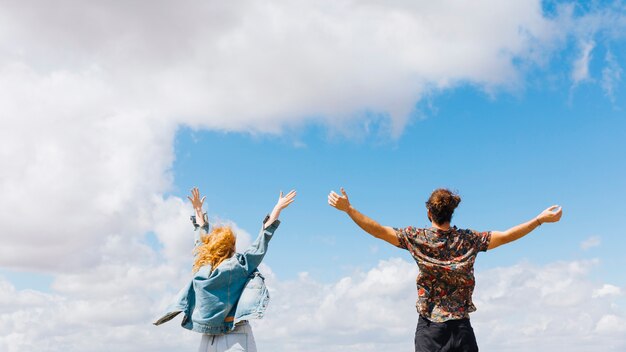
<point>216,247</point>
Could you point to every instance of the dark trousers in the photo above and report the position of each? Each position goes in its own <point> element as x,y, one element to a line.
<point>449,336</point>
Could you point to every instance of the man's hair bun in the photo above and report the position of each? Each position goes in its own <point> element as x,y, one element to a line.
<point>441,205</point>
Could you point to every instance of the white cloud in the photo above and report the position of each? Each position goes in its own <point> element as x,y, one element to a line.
<point>77,170</point>
<point>93,94</point>
<point>611,75</point>
<point>58,323</point>
<point>537,308</point>
<point>611,324</point>
<point>607,290</point>
<point>360,311</point>
<point>242,65</point>
<point>580,71</point>
<point>593,241</point>
<point>110,306</point>
<point>520,308</point>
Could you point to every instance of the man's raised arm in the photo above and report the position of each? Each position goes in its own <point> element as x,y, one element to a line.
<point>368,225</point>
<point>498,238</point>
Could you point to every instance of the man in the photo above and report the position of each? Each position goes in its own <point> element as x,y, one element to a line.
<point>445,257</point>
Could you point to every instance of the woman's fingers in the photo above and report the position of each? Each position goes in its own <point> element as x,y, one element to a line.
<point>290,195</point>
<point>195,193</point>
<point>285,200</point>
<point>195,198</point>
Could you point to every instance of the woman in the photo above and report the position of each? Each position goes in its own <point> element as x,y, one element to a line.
<point>445,256</point>
<point>227,289</point>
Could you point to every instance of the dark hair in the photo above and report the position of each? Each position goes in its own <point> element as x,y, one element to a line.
<point>441,205</point>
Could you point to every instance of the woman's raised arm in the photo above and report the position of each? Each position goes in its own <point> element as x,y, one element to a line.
<point>283,202</point>
<point>197,203</point>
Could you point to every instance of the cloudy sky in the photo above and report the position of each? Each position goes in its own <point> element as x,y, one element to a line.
<point>111,111</point>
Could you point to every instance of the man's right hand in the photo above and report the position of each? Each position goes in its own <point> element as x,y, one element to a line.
<point>340,202</point>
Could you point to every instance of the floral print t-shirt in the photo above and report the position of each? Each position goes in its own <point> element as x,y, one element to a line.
<point>445,259</point>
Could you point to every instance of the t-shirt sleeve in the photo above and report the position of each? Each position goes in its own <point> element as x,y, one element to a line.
<point>482,240</point>
<point>402,235</point>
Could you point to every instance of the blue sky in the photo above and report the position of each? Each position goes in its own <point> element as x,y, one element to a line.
<point>112,113</point>
<point>509,155</point>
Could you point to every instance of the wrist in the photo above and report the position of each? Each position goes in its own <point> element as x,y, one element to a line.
<point>275,212</point>
<point>539,222</point>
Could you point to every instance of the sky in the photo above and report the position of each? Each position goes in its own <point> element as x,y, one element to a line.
<point>111,112</point>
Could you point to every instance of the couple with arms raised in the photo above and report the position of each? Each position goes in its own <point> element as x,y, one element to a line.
<point>227,289</point>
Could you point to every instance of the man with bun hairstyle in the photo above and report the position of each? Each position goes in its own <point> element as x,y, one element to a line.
<point>445,257</point>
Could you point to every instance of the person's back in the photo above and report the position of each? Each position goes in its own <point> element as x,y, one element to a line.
<point>217,291</point>
<point>445,258</point>
<point>226,289</point>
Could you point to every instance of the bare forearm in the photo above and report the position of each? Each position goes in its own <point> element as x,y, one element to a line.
<point>199,216</point>
<point>514,233</point>
<point>551,214</point>
<point>367,224</point>
<point>196,203</point>
<point>273,216</point>
<point>521,230</point>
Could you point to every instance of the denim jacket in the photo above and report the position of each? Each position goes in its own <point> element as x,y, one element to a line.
<point>234,288</point>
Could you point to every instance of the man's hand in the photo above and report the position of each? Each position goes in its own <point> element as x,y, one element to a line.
<point>552,214</point>
<point>368,225</point>
<point>340,202</point>
<point>195,200</point>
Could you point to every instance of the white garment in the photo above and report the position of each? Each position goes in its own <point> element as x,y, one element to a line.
<point>238,340</point>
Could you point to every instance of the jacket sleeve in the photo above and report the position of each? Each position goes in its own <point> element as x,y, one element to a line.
<point>199,231</point>
<point>253,256</point>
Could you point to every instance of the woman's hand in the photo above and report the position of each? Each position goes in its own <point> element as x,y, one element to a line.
<point>283,202</point>
<point>197,204</point>
<point>195,200</point>
<point>552,214</point>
